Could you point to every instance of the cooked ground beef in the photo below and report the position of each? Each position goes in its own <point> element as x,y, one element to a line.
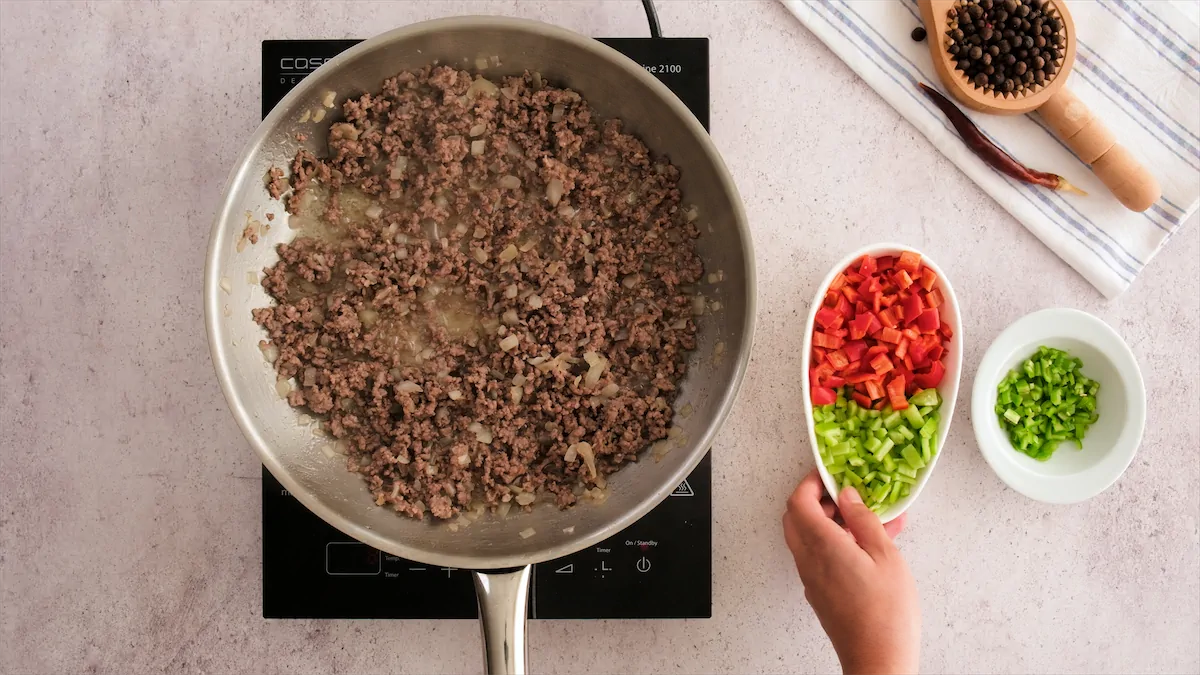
<point>488,298</point>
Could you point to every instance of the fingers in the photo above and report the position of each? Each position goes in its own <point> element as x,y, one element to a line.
<point>864,524</point>
<point>805,502</point>
<point>895,527</point>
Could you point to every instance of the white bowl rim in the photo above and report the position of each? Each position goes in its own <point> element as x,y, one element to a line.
<point>1036,327</point>
<point>949,393</point>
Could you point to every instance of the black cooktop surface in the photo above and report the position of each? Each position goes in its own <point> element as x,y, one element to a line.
<point>660,567</point>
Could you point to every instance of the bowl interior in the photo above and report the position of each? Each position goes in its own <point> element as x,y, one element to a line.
<point>1101,436</point>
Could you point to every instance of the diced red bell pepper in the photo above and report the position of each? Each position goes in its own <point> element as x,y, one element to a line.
<point>859,326</point>
<point>876,301</point>
<point>831,298</point>
<point>838,332</point>
<point>918,351</point>
<point>881,364</point>
<point>827,318</point>
<point>936,352</point>
<point>934,298</point>
<point>866,265</point>
<point>874,389</point>
<point>904,372</point>
<point>889,298</point>
<point>902,347</point>
<point>946,331</point>
<point>928,278</point>
<point>887,317</point>
<point>912,307</point>
<point>884,262</point>
<point>909,261</point>
<point>826,341</point>
<point>853,278</point>
<point>852,367</point>
<point>895,393</point>
<point>902,279</point>
<point>929,321</point>
<point>843,306</point>
<point>855,349</point>
<point>838,282</point>
<point>822,371</point>
<point>890,335</point>
<point>933,378</point>
<point>834,382</point>
<point>862,400</point>
<point>877,349</point>
<point>837,359</point>
<point>910,333</point>
<point>823,396</point>
<point>859,307</point>
<point>850,292</point>
<point>908,363</point>
<point>859,378</point>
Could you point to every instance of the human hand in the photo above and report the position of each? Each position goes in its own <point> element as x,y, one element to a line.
<point>855,579</point>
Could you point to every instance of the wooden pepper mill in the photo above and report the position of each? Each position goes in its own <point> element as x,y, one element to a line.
<point>1087,136</point>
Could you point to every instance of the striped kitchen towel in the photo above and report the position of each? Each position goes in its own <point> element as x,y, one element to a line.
<point>1137,67</point>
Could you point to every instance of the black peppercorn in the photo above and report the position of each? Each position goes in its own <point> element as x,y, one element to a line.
<point>918,34</point>
<point>1005,46</point>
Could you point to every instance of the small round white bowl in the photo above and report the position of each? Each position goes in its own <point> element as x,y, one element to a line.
<point>1070,475</point>
<point>948,389</point>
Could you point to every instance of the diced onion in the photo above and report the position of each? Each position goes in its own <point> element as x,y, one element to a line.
<point>503,509</point>
<point>527,532</point>
<point>270,352</point>
<point>585,451</point>
<point>716,306</point>
<point>692,213</point>
<point>556,113</point>
<point>511,291</point>
<point>310,376</point>
<point>482,87</point>
<point>571,454</point>
<point>519,380</point>
<point>631,280</point>
<point>408,387</point>
<point>226,285</point>
<point>373,211</point>
<point>454,395</point>
<point>283,388</point>
<point>508,254</point>
<point>318,115</point>
<point>569,530</point>
<point>698,305</point>
<point>509,317</point>
<point>477,147</point>
<point>535,301</point>
<point>586,238</point>
<point>515,393</point>
<point>463,459</point>
<point>510,182</point>
<point>526,498</point>
<point>479,254</point>
<point>477,130</point>
<point>398,168</point>
<point>328,99</point>
<point>554,191</point>
<point>509,343</point>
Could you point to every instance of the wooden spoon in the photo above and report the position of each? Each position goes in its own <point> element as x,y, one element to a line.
<point>1088,137</point>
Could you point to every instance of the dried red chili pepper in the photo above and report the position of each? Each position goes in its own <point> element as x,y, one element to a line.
<point>989,152</point>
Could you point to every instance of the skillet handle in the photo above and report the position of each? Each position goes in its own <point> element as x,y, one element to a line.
<point>503,596</point>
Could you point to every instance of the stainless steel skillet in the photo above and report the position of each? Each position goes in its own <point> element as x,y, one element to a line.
<point>616,87</point>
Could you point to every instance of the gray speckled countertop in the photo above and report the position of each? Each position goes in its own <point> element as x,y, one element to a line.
<point>129,529</point>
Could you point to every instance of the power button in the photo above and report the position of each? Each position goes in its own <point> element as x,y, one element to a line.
<point>643,564</point>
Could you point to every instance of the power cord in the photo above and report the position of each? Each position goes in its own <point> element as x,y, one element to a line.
<point>652,18</point>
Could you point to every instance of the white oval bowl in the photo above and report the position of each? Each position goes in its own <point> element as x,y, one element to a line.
<point>947,390</point>
<point>1070,475</point>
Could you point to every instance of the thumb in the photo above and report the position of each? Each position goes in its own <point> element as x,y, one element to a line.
<point>864,524</point>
